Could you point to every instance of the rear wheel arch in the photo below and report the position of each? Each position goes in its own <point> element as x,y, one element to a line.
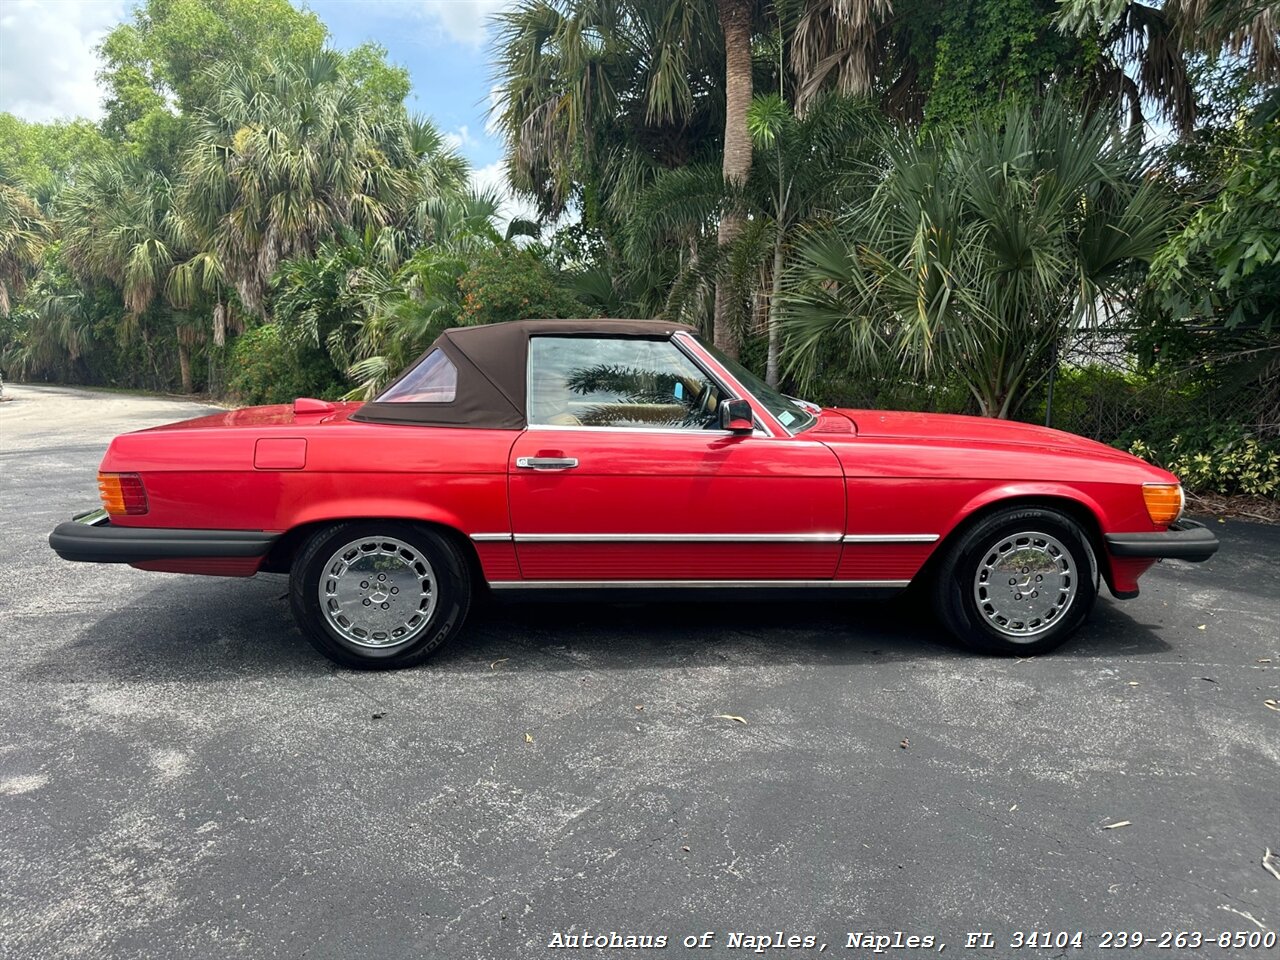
<point>379,593</point>
<point>283,551</point>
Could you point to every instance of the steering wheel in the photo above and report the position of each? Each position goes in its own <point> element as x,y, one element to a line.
<point>707,406</point>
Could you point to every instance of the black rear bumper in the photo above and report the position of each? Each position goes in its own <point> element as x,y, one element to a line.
<point>1184,540</point>
<point>91,538</point>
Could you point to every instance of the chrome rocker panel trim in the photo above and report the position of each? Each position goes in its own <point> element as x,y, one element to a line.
<point>855,538</point>
<point>692,584</point>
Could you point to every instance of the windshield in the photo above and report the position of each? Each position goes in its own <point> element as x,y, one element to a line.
<point>792,414</point>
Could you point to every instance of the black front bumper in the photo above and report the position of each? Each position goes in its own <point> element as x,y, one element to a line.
<point>91,538</point>
<point>1184,540</point>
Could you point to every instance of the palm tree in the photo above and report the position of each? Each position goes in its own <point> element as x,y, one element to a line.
<point>808,170</point>
<point>287,157</point>
<point>813,166</point>
<point>1131,55</point>
<point>24,235</point>
<point>1145,45</point>
<point>598,96</point>
<point>55,328</point>
<point>373,312</point>
<point>980,251</point>
<point>735,25</point>
<point>118,225</point>
<point>1249,28</point>
<point>839,45</point>
<point>597,100</point>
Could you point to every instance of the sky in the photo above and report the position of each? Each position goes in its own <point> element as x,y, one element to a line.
<point>47,60</point>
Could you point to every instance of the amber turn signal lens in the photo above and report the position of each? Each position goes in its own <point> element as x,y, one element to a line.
<point>1164,502</point>
<point>122,494</point>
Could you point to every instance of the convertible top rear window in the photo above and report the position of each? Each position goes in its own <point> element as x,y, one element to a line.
<point>434,380</point>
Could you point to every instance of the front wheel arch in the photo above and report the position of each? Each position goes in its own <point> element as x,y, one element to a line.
<point>1080,512</point>
<point>1065,544</point>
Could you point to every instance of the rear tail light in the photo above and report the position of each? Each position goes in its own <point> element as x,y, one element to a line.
<point>1164,502</point>
<point>123,494</point>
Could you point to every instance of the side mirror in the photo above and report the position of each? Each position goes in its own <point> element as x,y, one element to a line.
<point>735,416</point>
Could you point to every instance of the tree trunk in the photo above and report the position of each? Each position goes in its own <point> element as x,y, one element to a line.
<point>184,364</point>
<point>735,24</point>
<point>775,300</point>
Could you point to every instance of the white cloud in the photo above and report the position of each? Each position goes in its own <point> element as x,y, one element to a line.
<point>493,123</point>
<point>466,21</point>
<point>460,138</point>
<point>494,177</point>
<point>47,60</point>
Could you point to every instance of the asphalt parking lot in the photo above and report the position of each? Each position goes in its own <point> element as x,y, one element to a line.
<point>182,776</point>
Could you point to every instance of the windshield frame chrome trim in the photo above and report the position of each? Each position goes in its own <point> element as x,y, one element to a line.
<point>698,352</point>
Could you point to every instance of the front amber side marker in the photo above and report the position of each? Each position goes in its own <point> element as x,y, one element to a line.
<point>122,494</point>
<point>1164,502</point>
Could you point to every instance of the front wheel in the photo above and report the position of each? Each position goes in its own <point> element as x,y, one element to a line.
<point>1021,581</point>
<point>379,595</point>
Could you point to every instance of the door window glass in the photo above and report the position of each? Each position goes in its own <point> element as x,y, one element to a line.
<point>618,382</point>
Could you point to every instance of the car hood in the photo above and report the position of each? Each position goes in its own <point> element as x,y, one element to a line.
<point>277,415</point>
<point>951,428</point>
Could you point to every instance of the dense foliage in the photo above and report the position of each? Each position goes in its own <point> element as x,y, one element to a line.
<point>954,207</point>
<point>979,251</point>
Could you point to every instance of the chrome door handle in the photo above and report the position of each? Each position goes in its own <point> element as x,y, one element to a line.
<point>546,463</point>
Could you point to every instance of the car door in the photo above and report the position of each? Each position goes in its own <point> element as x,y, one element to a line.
<point>624,475</point>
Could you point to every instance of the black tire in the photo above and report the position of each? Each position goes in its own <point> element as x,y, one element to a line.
<point>974,622</point>
<point>451,591</point>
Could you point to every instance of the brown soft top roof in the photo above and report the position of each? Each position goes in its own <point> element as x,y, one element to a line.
<point>491,364</point>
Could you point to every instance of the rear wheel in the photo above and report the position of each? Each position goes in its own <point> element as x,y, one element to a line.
<point>379,594</point>
<point>1021,581</point>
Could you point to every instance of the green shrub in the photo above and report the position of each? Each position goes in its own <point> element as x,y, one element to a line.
<point>1117,407</point>
<point>507,283</point>
<point>1220,459</point>
<point>891,393</point>
<point>265,369</point>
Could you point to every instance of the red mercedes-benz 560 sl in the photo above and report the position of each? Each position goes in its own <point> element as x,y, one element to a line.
<point>626,457</point>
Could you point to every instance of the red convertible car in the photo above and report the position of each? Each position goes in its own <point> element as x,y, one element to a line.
<point>626,457</point>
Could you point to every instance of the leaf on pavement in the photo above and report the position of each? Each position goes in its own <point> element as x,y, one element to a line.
<point>730,716</point>
<point>496,662</point>
<point>1272,705</point>
<point>528,738</point>
<point>1271,863</point>
<point>1118,824</point>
